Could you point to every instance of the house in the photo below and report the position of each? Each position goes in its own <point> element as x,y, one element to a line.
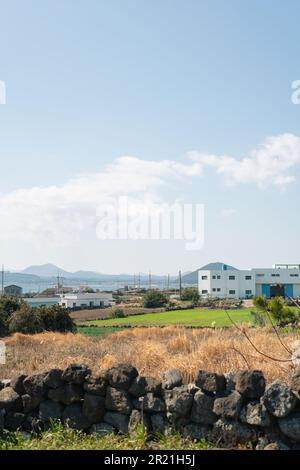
<point>224,281</point>
<point>13,291</point>
<point>86,300</point>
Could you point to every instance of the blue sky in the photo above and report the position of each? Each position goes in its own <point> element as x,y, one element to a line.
<point>89,82</point>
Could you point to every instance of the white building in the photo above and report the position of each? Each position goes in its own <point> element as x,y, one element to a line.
<point>224,281</point>
<point>86,300</point>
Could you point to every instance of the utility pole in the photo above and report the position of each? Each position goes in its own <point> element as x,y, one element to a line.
<point>180,286</point>
<point>168,282</point>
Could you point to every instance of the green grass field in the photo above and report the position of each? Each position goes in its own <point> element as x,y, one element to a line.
<point>195,317</point>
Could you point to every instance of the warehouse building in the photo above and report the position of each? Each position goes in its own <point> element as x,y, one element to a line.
<point>224,281</point>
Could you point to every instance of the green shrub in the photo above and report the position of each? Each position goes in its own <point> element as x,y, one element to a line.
<point>8,305</point>
<point>26,320</point>
<point>154,299</point>
<point>275,308</point>
<point>56,318</point>
<point>118,313</point>
<point>191,294</point>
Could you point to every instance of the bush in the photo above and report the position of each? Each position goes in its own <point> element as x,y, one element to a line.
<point>56,318</point>
<point>154,299</point>
<point>275,308</point>
<point>29,320</point>
<point>118,313</point>
<point>8,305</point>
<point>191,294</point>
<point>26,320</point>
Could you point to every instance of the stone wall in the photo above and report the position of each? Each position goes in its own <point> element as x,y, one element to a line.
<point>225,410</point>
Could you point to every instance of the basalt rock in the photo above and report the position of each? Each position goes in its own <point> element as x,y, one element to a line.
<point>210,382</point>
<point>121,376</point>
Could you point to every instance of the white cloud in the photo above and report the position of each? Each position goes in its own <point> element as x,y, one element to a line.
<point>61,214</point>
<point>66,215</point>
<point>270,164</point>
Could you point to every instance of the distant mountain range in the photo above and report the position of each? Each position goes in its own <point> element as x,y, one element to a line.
<point>36,273</point>
<point>50,270</point>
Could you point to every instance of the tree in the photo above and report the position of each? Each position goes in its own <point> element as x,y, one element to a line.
<point>56,318</point>
<point>191,294</point>
<point>118,313</point>
<point>8,305</point>
<point>154,299</point>
<point>26,320</point>
<point>275,308</point>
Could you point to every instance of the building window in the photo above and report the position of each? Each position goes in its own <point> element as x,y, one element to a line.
<point>214,277</point>
<point>219,277</point>
<point>204,278</point>
<point>294,275</point>
<point>214,289</point>
<point>231,278</point>
<point>275,275</point>
<point>218,289</point>
<point>248,292</point>
<point>248,278</point>
<point>231,292</point>
<point>204,292</point>
<point>260,275</point>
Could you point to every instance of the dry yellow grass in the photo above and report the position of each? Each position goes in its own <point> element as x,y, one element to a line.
<point>151,350</point>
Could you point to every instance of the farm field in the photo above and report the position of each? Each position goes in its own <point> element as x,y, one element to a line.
<point>152,351</point>
<point>194,317</point>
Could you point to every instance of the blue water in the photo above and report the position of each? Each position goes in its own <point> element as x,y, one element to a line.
<point>40,286</point>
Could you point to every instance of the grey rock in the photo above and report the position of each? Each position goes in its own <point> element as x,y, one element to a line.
<point>230,381</point>
<point>17,384</point>
<point>121,376</point>
<point>118,420</point>
<point>54,378</point>
<point>96,384</point>
<point>138,418</point>
<point>93,407</point>
<point>230,433</point>
<point>255,414</point>
<point>250,383</point>
<point>102,429</point>
<point>143,385</point>
<point>279,399</point>
<point>118,400</point>
<point>30,402</point>
<point>172,379</point>
<point>290,426</point>
<point>33,424</point>
<point>202,409</point>
<point>50,410</point>
<point>159,423</point>
<point>66,394</point>
<point>74,418</point>
<point>262,442</point>
<point>295,381</point>
<point>10,400</point>
<point>5,383</point>
<point>75,373</point>
<point>210,382</point>
<point>150,403</point>
<point>14,421</point>
<point>179,401</point>
<point>228,406</point>
<point>196,432</point>
<point>34,385</point>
